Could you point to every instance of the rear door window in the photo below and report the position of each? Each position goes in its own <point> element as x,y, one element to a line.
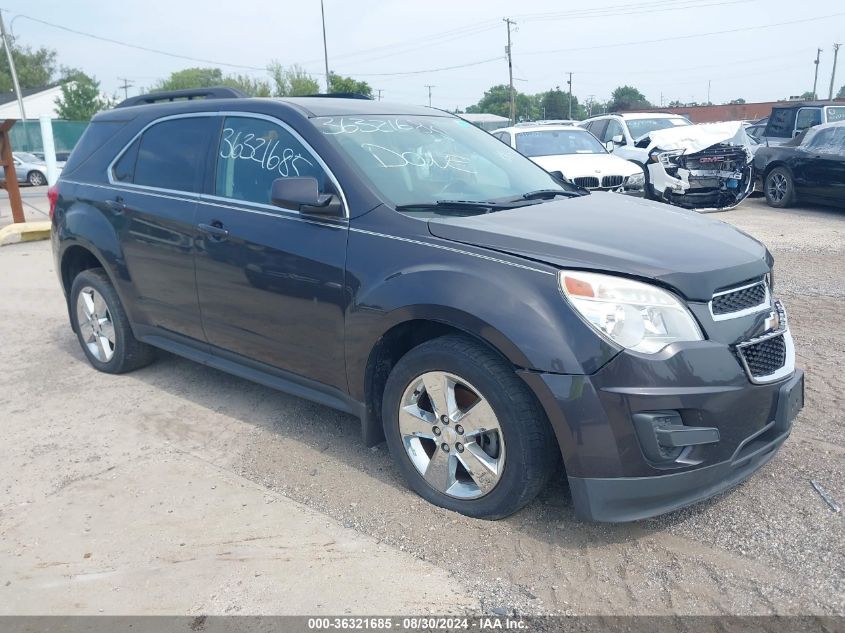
<point>171,154</point>
<point>254,152</point>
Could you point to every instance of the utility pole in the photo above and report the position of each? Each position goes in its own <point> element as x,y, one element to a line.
<point>508,21</point>
<point>833,72</point>
<point>591,99</point>
<point>126,86</point>
<point>708,92</point>
<point>816,76</point>
<point>379,91</point>
<point>429,93</point>
<point>12,69</point>
<point>325,48</point>
<point>570,95</point>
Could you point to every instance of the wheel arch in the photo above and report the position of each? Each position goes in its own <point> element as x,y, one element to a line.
<point>402,336</point>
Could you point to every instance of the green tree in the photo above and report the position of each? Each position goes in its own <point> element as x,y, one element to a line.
<point>189,78</point>
<point>81,98</point>
<point>292,82</point>
<point>554,104</point>
<point>338,83</point>
<point>807,96</point>
<point>739,101</point>
<point>841,93</point>
<point>627,98</point>
<point>35,68</point>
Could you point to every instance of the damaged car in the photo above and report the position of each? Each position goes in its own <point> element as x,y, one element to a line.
<point>702,167</point>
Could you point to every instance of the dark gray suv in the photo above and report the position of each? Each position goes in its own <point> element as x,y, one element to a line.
<point>485,318</point>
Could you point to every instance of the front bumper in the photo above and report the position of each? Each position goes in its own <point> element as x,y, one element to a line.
<point>612,478</point>
<point>631,498</point>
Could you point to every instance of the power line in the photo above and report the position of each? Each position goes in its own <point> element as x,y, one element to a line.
<point>428,70</point>
<point>683,37</point>
<point>139,47</point>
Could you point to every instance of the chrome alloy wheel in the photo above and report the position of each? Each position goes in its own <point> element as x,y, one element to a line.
<point>778,186</point>
<point>95,324</point>
<point>451,435</point>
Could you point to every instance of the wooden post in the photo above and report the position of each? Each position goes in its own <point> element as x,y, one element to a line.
<point>11,179</point>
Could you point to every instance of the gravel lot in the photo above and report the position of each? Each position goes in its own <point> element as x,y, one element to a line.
<point>770,546</point>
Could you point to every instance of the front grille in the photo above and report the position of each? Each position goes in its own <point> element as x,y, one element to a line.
<point>766,357</point>
<point>588,182</point>
<point>739,299</point>
<point>612,181</point>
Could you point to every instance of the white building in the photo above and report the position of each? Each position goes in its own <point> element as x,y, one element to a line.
<point>37,102</point>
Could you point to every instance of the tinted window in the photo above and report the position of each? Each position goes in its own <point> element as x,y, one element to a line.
<point>124,168</point>
<point>171,154</point>
<point>597,127</point>
<point>252,153</point>
<point>94,137</point>
<point>781,123</point>
<point>808,117</point>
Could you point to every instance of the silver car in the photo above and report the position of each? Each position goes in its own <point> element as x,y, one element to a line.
<point>29,168</point>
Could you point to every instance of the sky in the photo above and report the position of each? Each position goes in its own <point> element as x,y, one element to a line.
<point>669,49</point>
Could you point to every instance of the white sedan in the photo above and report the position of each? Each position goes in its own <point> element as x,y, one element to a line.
<point>576,154</point>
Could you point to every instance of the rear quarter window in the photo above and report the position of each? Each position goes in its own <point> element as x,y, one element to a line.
<point>93,138</point>
<point>172,153</point>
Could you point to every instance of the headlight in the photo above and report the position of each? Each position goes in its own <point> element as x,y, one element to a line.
<point>635,181</point>
<point>667,159</point>
<point>638,316</point>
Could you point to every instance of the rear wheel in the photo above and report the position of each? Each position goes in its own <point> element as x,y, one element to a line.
<point>36,179</point>
<point>102,327</point>
<point>779,188</point>
<point>465,431</point>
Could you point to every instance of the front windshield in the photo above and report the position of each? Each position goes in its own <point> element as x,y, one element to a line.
<point>641,127</point>
<point>420,160</point>
<point>557,142</point>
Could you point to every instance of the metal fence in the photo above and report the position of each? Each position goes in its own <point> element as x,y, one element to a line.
<point>26,135</point>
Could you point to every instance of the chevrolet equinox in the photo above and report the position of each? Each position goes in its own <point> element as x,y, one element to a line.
<point>489,320</point>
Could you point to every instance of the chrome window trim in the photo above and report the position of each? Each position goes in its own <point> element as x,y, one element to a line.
<point>760,307</point>
<point>789,361</point>
<point>223,114</point>
<point>277,212</point>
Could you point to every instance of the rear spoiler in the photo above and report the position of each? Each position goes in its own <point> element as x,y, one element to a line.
<point>218,92</point>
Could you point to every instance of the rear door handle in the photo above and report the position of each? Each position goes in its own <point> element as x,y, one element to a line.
<point>117,205</point>
<point>215,230</point>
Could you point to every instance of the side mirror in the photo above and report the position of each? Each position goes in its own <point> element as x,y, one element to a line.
<point>610,146</point>
<point>618,140</point>
<point>302,193</point>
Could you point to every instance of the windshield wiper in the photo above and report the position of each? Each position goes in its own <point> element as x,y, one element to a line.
<point>548,194</point>
<point>456,204</point>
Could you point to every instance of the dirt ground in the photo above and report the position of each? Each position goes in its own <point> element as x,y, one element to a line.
<point>238,479</point>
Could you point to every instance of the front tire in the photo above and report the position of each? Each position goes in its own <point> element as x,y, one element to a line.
<point>465,431</point>
<point>36,178</point>
<point>102,327</point>
<point>779,188</point>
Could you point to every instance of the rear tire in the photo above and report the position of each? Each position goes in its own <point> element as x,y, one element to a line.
<point>102,327</point>
<point>491,469</point>
<point>779,188</point>
<point>36,178</point>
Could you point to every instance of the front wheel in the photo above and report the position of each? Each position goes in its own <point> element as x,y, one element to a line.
<point>779,188</point>
<point>465,431</point>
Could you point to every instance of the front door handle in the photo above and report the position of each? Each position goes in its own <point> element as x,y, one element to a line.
<point>215,230</point>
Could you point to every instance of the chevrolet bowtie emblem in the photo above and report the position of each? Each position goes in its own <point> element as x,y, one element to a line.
<point>772,322</point>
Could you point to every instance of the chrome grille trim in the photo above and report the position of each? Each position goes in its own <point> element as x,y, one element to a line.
<point>760,307</point>
<point>789,362</point>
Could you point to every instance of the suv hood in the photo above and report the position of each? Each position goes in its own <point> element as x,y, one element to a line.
<point>691,253</point>
<point>695,138</point>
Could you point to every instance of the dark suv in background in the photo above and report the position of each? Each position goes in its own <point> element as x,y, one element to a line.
<point>485,318</point>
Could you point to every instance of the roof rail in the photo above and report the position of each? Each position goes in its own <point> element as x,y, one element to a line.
<point>216,92</point>
<point>341,95</point>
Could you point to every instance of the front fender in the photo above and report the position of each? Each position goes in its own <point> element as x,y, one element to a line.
<point>512,304</point>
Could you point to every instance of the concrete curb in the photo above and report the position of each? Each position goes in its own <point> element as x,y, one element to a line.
<point>24,232</point>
